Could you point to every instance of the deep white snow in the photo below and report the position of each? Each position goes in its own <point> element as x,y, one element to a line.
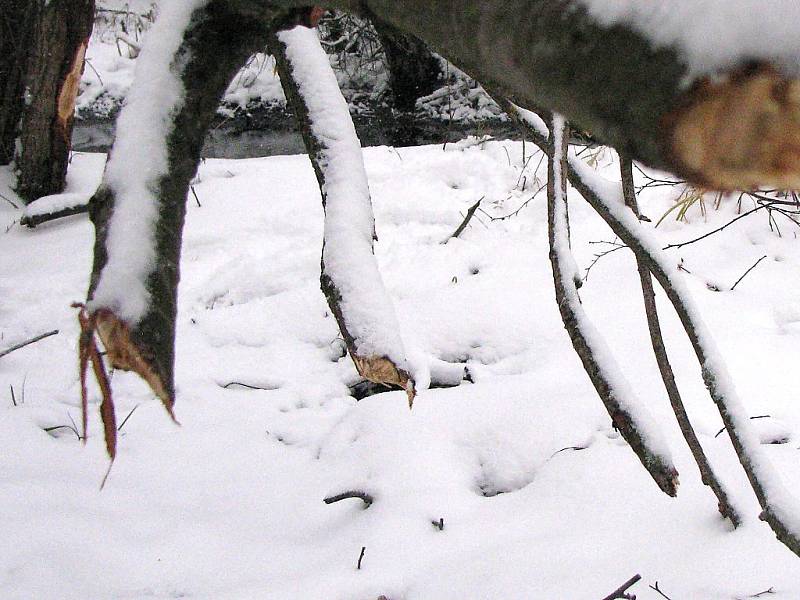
<point>229,505</point>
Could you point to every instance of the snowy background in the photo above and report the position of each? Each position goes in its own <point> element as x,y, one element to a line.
<point>538,496</point>
<point>535,493</point>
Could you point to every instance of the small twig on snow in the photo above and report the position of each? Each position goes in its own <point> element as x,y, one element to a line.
<point>751,418</point>
<point>27,342</point>
<point>247,385</point>
<point>366,498</point>
<point>125,420</point>
<point>9,200</point>
<point>657,589</point>
<point>621,591</point>
<point>764,593</point>
<point>467,218</point>
<point>746,272</point>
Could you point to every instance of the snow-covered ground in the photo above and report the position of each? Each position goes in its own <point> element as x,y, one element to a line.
<point>539,498</point>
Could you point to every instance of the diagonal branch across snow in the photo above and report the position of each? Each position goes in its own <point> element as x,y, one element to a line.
<point>633,420</point>
<point>779,507</point>
<point>350,277</point>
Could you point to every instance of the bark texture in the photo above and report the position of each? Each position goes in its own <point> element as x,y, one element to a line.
<point>726,133</point>
<point>215,46</point>
<point>52,76</point>
<point>17,20</point>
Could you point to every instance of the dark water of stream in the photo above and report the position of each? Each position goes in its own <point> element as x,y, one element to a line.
<point>271,132</point>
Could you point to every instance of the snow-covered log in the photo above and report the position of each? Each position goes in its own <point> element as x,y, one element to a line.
<point>635,424</point>
<point>707,89</point>
<point>138,210</point>
<point>350,278</point>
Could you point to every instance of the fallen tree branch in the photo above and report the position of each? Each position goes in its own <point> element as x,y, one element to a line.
<point>635,425</point>
<point>366,498</point>
<point>620,592</point>
<point>779,508</point>
<point>27,342</point>
<point>350,279</point>
<point>37,219</point>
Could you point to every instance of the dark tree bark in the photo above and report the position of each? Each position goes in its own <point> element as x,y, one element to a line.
<point>52,76</point>
<point>413,71</point>
<point>707,474</point>
<point>17,20</point>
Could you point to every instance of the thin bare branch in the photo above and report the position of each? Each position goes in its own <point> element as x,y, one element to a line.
<point>707,474</point>
<point>27,342</point>
<point>621,592</point>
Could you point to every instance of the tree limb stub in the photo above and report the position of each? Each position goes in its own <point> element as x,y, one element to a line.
<point>205,62</point>
<point>350,278</point>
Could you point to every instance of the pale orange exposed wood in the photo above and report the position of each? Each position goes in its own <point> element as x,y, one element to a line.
<point>742,132</point>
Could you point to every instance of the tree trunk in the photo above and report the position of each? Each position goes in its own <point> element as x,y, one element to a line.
<point>17,21</point>
<point>734,125</point>
<point>52,77</point>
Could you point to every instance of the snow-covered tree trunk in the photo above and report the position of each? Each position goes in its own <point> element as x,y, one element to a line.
<point>350,278</point>
<point>628,415</point>
<point>53,70</point>
<point>194,50</point>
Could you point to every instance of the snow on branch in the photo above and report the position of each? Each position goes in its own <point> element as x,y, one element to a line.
<point>138,162</point>
<point>780,509</point>
<point>635,424</point>
<point>350,278</point>
<point>707,474</point>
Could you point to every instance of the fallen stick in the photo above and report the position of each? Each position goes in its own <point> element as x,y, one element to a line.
<point>28,342</point>
<point>34,220</point>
